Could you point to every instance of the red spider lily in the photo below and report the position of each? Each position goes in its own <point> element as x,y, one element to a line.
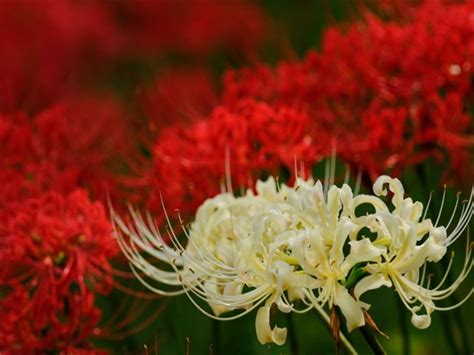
<point>57,247</point>
<point>51,246</point>
<point>55,242</point>
<point>82,142</point>
<point>256,139</point>
<point>90,137</point>
<point>29,326</point>
<point>55,235</point>
<point>25,172</point>
<point>392,94</point>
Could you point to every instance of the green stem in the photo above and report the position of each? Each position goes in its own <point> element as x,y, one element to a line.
<point>216,335</point>
<point>372,341</point>
<point>292,335</point>
<point>403,327</point>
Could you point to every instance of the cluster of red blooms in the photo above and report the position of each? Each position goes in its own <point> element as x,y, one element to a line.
<point>55,243</point>
<point>72,143</point>
<point>63,152</point>
<point>386,95</point>
<point>392,94</point>
<point>54,248</point>
<point>252,137</point>
<point>49,47</point>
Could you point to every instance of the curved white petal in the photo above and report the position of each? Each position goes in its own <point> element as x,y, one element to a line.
<point>364,250</point>
<point>349,307</point>
<point>265,334</point>
<point>370,282</point>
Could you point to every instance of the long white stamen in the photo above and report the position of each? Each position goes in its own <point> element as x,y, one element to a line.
<point>441,207</point>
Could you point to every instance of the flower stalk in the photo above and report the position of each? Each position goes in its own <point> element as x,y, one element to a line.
<point>372,341</point>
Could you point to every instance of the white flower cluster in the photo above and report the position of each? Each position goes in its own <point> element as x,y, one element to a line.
<point>305,243</point>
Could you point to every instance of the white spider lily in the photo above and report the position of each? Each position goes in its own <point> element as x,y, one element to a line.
<point>409,241</point>
<point>286,244</point>
<point>277,245</point>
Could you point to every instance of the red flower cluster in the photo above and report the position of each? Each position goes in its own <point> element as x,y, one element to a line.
<point>58,147</point>
<point>73,143</point>
<point>50,47</point>
<point>386,95</point>
<point>391,94</point>
<point>89,137</point>
<point>255,138</point>
<point>52,250</point>
<point>55,243</point>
